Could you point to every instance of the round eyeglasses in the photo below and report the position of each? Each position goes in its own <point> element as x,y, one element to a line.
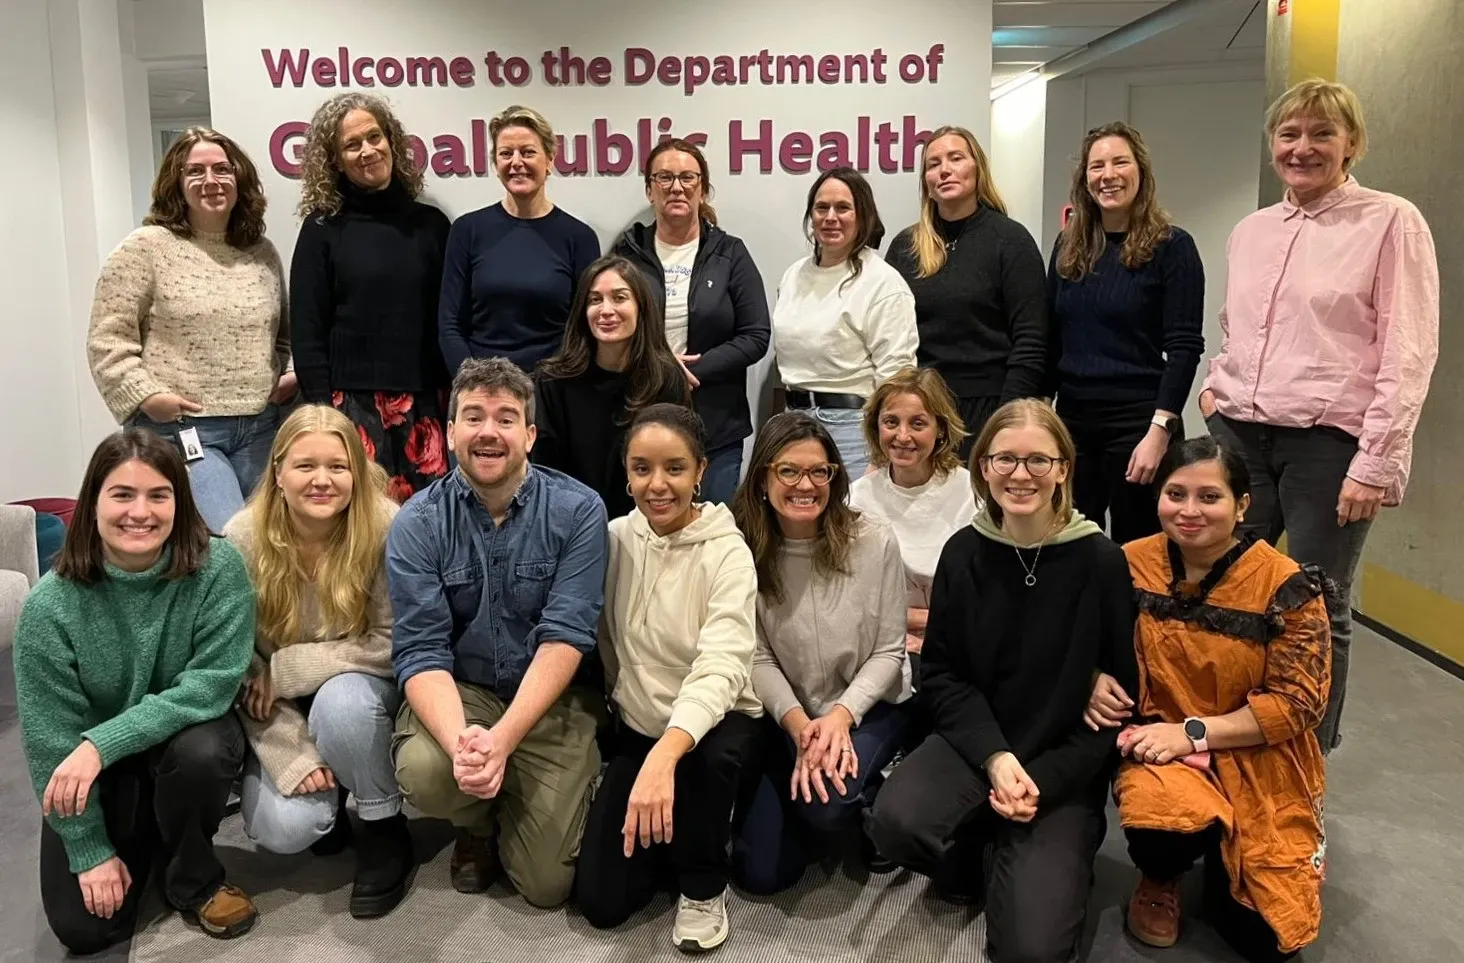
<point>791,475</point>
<point>1004,463</point>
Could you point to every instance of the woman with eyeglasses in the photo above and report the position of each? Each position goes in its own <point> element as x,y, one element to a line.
<point>189,333</point>
<point>713,301</point>
<point>510,269</point>
<point>830,659</point>
<point>844,320</point>
<point>1028,604</point>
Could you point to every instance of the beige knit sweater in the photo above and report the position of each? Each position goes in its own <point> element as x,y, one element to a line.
<point>192,316</point>
<point>283,742</point>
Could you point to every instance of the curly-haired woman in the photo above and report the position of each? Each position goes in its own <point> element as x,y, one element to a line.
<point>189,334</point>
<point>364,284</point>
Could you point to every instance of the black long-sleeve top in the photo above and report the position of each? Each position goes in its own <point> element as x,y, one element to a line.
<point>364,284</point>
<point>581,424</point>
<point>1129,334</point>
<point>1008,667</point>
<point>983,316</point>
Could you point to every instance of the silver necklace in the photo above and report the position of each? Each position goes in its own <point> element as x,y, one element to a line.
<point>1031,578</point>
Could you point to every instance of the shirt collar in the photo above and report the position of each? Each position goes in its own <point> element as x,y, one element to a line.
<point>464,488</point>
<point>1324,203</point>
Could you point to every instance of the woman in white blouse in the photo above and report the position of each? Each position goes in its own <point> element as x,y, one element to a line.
<point>913,428</point>
<point>844,320</point>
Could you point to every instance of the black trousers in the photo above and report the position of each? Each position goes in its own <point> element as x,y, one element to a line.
<point>610,887</point>
<point>932,816</point>
<point>974,412</point>
<point>1163,856</point>
<point>165,803</point>
<point>1105,435</point>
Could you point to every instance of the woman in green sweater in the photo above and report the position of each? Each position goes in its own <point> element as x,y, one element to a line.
<point>128,657</point>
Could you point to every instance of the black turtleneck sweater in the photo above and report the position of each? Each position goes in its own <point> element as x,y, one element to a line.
<point>364,284</point>
<point>1009,667</point>
<point>983,316</point>
<point>581,424</point>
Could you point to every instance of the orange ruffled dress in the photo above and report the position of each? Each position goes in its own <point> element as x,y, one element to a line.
<point>1259,637</point>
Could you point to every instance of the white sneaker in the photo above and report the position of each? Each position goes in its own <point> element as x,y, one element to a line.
<point>701,925</point>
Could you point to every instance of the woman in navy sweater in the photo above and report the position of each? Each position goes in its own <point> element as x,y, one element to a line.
<point>1126,293</point>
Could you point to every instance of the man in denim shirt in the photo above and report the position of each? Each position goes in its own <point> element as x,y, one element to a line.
<point>497,576</point>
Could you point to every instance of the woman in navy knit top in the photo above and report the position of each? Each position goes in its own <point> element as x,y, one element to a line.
<point>1126,293</point>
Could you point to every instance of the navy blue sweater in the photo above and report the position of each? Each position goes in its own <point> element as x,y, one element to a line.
<point>1123,334</point>
<point>507,284</point>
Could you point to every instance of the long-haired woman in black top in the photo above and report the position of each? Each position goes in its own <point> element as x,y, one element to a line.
<point>1126,291</point>
<point>613,362</point>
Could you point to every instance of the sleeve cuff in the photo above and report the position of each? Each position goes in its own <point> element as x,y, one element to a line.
<point>88,849</point>
<point>416,666</point>
<point>552,632</point>
<point>695,720</point>
<point>1372,470</point>
<point>111,740</point>
<point>1274,721</point>
<point>130,394</point>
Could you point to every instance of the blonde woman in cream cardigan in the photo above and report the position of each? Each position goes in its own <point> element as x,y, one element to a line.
<point>677,636</point>
<point>320,700</point>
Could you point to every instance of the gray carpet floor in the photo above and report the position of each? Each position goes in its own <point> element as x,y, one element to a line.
<point>1393,892</point>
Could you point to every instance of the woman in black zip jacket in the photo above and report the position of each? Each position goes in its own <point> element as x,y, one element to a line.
<point>714,305</point>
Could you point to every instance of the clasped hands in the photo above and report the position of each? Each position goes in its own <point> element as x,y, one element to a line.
<point>480,759</point>
<point>1158,743</point>
<point>826,757</point>
<point>1013,793</point>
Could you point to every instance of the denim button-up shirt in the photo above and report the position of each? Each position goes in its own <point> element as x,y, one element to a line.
<point>477,599</point>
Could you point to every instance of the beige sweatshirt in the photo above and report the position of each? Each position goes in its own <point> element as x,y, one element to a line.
<point>283,742</point>
<point>836,639</point>
<point>192,316</point>
<point>677,628</point>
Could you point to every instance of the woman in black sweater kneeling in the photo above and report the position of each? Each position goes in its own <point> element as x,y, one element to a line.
<point>1027,604</point>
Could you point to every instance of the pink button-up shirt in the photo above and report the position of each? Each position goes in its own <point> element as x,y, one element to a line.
<point>1331,317</point>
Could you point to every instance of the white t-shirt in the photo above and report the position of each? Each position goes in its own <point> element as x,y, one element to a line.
<point>845,341</point>
<point>924,518</point>
<point>677,261</point>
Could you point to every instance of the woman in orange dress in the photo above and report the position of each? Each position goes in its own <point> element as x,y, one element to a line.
<point>1234,669</point>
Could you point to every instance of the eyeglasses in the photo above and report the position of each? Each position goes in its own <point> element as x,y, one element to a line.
<point>664,179</point>
<point>791,475</point>
<point>1037,465</point>
<point>220,171</point>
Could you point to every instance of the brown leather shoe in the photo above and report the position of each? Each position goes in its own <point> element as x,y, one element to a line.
<point>474,864</point>
<point>1153,913</point>
<point>227,914</point>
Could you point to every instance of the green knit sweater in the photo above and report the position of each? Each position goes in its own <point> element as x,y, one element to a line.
<point>127,663</point>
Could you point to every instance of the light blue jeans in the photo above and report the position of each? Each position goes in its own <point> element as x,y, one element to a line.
<point>351,722</point>
<point>235,454</point>
<point>846,427</point>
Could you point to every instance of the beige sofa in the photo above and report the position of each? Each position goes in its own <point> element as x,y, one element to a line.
<point>19,568</point>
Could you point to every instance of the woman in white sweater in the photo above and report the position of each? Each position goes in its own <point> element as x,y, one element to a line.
<point>677,637</point>
<point>914,429</point>
<point>320,701</point>
<point>830,655</point>
<point>189,331</point>
<point>844,320</point>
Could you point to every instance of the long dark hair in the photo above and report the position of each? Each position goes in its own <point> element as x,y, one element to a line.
<point>869,229</point>
<point>82,559</point>
<point>651,368</point>
<point>758,521</point>
<point>1083,239</point>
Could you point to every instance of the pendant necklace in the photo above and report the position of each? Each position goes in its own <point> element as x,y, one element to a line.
<point>1031,578</point>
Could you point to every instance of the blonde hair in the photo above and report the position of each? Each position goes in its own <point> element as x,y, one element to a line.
<point>1015,414</point>
<point>520,116</point>
<point>927,385</point>
<point>320,170</point>
<point>925,241</point>
<point>1083,239</point>
<point>1322,98</point>
<point>347,571</point>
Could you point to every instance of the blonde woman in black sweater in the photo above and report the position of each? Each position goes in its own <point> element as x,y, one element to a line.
<point>1026,605</point>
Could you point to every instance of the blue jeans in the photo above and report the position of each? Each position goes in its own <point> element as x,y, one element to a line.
<point>235,453</point>
<point>724,471</point>
<point>352,717</point>
<point>770,845</point>
<point>846,427</point>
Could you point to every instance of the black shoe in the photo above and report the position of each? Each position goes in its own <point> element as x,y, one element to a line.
<point>958,892</point>
<point>474,866</point>
<point>385,864</point>
<point>875,862</point>
<point>340,835</point>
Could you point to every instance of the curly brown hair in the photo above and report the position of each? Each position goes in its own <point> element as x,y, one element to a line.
<point>320,167</point>
<point>1083,239</point>
<point>170,206</point>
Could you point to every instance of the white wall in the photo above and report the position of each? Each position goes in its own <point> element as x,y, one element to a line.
<point>1018,146</point>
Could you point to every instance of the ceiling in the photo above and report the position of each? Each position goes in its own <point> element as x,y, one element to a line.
<point>178,93</point>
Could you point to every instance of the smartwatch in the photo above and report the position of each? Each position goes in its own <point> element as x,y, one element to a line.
<point>1170,424</point>
<point>1194,728</point>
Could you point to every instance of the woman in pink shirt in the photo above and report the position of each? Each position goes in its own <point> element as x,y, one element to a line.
<point>1331,324</point>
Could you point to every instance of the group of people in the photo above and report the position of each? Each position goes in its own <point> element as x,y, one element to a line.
<point>555,610</point>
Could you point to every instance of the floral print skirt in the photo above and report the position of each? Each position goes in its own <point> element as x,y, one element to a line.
<point>403,433</point>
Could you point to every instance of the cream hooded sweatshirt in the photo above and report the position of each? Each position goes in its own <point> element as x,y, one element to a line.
<point>678,625</point>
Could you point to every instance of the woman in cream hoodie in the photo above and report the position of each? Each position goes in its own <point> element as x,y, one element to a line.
<point>677,637</point>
